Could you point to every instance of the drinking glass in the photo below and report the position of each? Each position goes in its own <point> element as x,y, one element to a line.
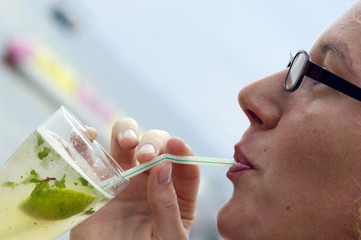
<point>56,179</point>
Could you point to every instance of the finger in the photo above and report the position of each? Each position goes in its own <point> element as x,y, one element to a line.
<point>80,145</point>
<point>90,133</point>
<point>124,140</point>
<point>186,178</point>
<point>152,144</point>
<point>163,203</point>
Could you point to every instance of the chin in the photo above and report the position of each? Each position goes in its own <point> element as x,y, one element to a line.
<point>239,219</point>
<point>227,221</point>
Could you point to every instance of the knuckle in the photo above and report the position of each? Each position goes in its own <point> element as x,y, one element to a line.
<point>169,201</point>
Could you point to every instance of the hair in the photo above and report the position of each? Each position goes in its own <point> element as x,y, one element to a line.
<point>357,215</point>
<point>357,224</point>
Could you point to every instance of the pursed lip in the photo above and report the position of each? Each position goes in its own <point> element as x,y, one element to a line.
<point>242,163</point>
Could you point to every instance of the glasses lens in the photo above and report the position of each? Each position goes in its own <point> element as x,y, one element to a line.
<point>295,72</point>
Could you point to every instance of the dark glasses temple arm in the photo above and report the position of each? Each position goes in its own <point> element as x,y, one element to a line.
<point>328,78</point>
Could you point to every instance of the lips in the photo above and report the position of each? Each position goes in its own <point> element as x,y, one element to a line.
<point>242,163</point>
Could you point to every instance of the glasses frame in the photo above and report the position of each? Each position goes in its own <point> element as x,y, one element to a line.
<point>321,75</point>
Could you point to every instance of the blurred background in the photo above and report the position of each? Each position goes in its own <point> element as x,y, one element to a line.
<point>173,65</point>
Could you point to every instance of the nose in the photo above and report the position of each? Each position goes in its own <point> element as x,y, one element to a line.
<point>264,101</point>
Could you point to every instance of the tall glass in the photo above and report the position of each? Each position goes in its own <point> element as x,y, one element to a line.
<point>56,179</point>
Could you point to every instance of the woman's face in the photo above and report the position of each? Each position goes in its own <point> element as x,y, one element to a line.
<point>302,151</point>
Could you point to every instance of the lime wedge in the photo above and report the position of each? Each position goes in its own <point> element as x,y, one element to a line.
<point>56,203</point>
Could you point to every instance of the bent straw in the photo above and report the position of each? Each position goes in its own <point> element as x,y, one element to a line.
<point>194,160</point>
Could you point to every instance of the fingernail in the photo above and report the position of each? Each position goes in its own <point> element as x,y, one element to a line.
<point>129,133</point>
<point>147,148</point>
<point>165,174</point>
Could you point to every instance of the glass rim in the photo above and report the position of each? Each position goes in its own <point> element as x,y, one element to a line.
<point>101,152</point>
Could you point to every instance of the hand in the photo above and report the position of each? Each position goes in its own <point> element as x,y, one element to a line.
<point>158,204</point>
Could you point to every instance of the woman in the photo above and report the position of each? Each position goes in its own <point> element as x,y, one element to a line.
<point>298,171</point>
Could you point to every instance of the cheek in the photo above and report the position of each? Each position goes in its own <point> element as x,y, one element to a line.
<point>312,164</point>
<point>319,153</point>
<point>312,175</point>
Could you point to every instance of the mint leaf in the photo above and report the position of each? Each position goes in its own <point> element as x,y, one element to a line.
<point>34,174</point>
<point>8,184</point>
<point>40,187</point>
<point>32,178</point>
<point>83,181</point>
<point>43,154</point>
<point>61,183</point>
<point>40,140</point>
<point>89,211</point>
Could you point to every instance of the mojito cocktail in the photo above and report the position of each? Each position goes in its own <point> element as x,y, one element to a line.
<point>50,185</point>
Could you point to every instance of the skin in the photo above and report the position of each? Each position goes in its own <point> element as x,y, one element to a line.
<point>158,204</point>
<point>304,147</point>
<point>91,133</point>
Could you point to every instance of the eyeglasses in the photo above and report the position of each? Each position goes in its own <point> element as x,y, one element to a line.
<point>300,66</point>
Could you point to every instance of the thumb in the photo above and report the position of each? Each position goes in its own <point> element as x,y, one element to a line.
<point>163,203</point>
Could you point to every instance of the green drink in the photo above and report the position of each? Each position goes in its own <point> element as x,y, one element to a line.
<point>55,180</point>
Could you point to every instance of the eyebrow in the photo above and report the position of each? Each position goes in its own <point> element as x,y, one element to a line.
<point>341,51</point>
